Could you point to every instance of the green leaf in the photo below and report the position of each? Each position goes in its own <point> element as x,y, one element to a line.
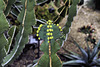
<point>60,9</point>
<point>16,8</point>
<point>54,47</point>
<point>8,8</point>
<point>76,2</point>
<point>72,56</point>
<point>88,50</point>
<point>2,43</point>
<point>97,62</point>
<point>2,6</point>
<point>74,62</point>
<point>72,12</point>
<point>3,23</point>
<point>95,50</point>
<point>44,62</point>
<point>2,55</point>
<point>27,19</point>
<point>11,36</point>
<point>56,62</point>
<point>44,47</point>
<point>70,52</point>
<point>84,53</point>
<point>3,26</point>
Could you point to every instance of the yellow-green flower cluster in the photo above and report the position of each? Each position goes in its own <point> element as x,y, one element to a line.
<point>59,27</point>
<point>49,30</point>
<point>39,28</point>
<point>49,22</point>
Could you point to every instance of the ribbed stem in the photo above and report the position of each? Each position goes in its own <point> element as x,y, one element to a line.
<point>50,54</point>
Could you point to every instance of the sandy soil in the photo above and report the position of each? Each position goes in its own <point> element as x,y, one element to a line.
<point>85,17</point>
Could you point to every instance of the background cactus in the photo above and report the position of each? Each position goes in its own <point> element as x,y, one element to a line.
<point>88,57</point>
<point>3,26</point>
<point>27,19</point>
<point>70,8</point>
<point>8,8</point>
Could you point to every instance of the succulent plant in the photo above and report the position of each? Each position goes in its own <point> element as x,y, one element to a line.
<point>49,33</point>
<point>26,19</point>
<point>88,30</point>
<point>87,59</point>
<point>53,35</point>
<point>45,12</point>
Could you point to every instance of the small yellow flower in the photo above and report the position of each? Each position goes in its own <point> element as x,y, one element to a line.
<point>57,24</point>
<point>50,29</point>
<point>59,27</point>
<point>48,38</point>
<point>51,34</point>
<point>48,41</point>
<point>37,31</point>
<point>50,21</point>
<point>39,38</point>
<point>48,26</point>
<point>48,34</point>
<point>47,30</point>
<point>51,37</point>
<point>38,28</point>
<point>47,22</point>
<point>37,34</point>
<point>41,25</point>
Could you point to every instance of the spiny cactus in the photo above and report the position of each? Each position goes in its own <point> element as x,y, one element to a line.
<point>53,37</point>
<point>9,4</point>
<point>49,33</point>
<point>3,22</point>
<point>3,26</point>
<point>11,34</point>
<point>16,8</point>
<point>50,30</point>
<point>26,19</point>
<point>88,58</point>
<point>70,8</point>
